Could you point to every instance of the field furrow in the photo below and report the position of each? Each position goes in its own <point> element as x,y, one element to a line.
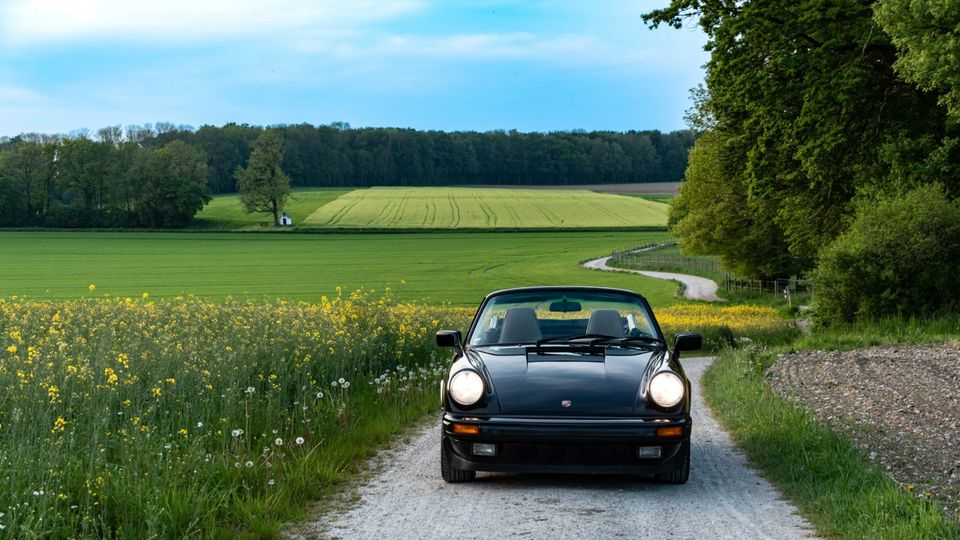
<point>404,207</point>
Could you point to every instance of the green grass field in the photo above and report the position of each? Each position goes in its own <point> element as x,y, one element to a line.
<point>444,267</point>
<point>226,212</point>
<point>402,207</point>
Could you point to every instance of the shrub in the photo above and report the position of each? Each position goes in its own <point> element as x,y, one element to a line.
<point>900,256</point>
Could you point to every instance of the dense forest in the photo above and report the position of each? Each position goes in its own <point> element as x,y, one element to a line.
<point>161,175</point>
<point>831,147</point>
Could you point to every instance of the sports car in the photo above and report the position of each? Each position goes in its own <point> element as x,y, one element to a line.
<point>565,379</point>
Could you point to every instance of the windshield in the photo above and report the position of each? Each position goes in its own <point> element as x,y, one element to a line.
<point>558,316</point>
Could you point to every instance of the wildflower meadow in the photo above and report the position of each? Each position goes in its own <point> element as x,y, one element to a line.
<point>725,326</point>
<point>128,417</point>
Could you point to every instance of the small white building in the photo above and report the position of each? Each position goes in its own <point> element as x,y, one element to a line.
<point>286,220</point>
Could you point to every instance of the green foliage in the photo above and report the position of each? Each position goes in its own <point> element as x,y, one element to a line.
<point>809,112</point>
<point>173,185</point>
<point>262,184</point>
<point>899,257</point>
<point>714,214</point>
<point>927,38</point>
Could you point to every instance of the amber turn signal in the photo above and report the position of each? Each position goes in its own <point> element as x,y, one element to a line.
<point>669,431</point>
<point>466,429</point>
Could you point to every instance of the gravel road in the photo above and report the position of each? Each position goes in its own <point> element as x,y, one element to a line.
<point>694,287</point>
<point>724,498</point>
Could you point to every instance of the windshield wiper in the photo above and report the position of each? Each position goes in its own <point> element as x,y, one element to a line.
<point>622,340</point>
<point>575,337</point>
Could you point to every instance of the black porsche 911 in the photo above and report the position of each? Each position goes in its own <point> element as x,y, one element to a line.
<point>566,379</point>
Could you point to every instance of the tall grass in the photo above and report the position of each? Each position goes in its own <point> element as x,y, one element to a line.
<point>134,418</point>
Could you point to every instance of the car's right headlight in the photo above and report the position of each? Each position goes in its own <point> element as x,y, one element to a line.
<point>466,387</point>
<point>666,389</point>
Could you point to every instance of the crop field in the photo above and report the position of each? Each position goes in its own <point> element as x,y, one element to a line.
<point>402,207</point>
<point>458,268</point>
<point>226,212</point>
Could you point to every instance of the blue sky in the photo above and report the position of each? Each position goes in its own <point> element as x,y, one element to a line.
<point>426,64</point>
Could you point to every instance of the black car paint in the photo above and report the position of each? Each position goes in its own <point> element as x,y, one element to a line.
<point>610,413</point>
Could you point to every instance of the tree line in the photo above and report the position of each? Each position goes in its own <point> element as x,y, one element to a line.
<point>161,175</point>
<point>825,124</point>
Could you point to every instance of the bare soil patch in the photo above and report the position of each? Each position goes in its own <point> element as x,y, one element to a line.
<point>899,404</point>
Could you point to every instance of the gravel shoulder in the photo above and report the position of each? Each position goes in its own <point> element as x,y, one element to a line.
<point>406,498</point>
<point>694,287</point>
<point>899,404</point>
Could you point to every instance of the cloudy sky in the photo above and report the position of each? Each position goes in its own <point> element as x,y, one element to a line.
<point>428,64</point>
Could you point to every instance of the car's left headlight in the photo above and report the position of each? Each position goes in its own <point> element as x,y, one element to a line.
<point>466,387</point>
<point>666,389</point>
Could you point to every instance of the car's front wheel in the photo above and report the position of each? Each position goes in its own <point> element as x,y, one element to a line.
<point>680,475</point>
<point>451,474</point>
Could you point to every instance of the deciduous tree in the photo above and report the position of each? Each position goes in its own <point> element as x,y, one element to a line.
<point>262,184</point>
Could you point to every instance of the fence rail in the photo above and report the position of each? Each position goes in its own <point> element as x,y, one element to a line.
<point>772,286</point>
<point>646,256</point>
<point>670,260</point>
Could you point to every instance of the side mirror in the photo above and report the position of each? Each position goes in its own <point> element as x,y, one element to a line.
<point>450,338</point>
<point>687,342</point>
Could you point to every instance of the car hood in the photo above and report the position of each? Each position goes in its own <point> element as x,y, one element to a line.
<point>594,385</point>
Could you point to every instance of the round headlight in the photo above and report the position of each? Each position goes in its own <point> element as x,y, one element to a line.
<point>666,389</point>
<point>466,387</point>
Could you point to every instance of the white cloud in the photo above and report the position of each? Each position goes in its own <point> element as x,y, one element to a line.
<point>19,94</point>
<point>176,21</point>
<point>563,49</point>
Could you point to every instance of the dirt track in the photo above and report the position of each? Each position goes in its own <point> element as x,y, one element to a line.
<point>694,287</point>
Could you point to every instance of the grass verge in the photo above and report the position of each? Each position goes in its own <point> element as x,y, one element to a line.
<point>831,481</point>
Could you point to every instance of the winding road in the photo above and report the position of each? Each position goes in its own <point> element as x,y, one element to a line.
<point>694,287</point>
<point>724,498</point>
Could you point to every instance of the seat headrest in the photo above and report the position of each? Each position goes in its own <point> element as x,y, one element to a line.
<point>606,322</point>
<point>520,326</point>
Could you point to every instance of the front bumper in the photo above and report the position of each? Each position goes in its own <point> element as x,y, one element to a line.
<point>568,445</point>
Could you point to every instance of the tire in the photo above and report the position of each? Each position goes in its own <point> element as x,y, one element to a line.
<point>680,475</point>
<point>450,474</point>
